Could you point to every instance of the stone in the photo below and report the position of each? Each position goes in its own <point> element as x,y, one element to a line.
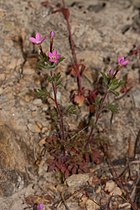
<point>77,180</point>
<point>90,205</point>
<point>96,35</point>
<point>34,128</point>
<point>1,90</point>
<point>37,102</point>
<point>110,185</point>
<point>2,77</point>
<point>13,161</point>
<point>136,3</point>
<point>96,8</point>
<point>45,108</point>
<point>136,96</point>
<point>116,191</point>
<point>27,69</point>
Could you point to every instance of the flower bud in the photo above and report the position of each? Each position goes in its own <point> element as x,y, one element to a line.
<point>52,34</point>
<point>111,72</point>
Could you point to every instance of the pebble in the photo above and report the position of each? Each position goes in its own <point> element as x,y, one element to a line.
<point>34,128</point>
<point>33,107</point>
<point>96,8</point>
<point>37,102</point>
<point>28,98</point>
<point>77,180</point>
<point>1,90</point>
<point>33,113</point>
<point>27,69</point>
<point>45,108</point>
<point>90,205</point>
<point>44,130</point>
<point>2,77</point>
<point>110,185</point>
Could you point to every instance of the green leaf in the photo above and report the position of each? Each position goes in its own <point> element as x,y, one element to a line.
<point>51,65</point>
<point>114,84</point>
<point>105,78</point>
<point>61,59</point>
<point>50,78</point>
<point>112,107</point>
<point>121,83</point>
<point>53,114</point>
<point>57,79</point>
<point>42,93</point>
<point>97,101</point>
<point>40,65</point>
<point>43,63</point>
<point>115,92</point>
<point>71,109</point>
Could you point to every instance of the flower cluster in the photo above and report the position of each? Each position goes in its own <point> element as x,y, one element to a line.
<point>52,54</point>
<point>122,61</point>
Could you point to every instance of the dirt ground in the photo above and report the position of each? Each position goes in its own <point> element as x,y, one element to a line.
<point>102,30</point>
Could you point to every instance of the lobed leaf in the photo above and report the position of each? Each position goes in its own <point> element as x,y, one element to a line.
<point>105,78</point>
<point>112,107</point>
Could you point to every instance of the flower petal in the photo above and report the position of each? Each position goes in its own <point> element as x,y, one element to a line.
<point>33,40</point>
<point>58,56</point>
<point>50,54</point>
<point>120,60</point>
<point>42,39</point>
<point>125,63</point>
<point>51,60</point>
<point>54,52</point>
<point>38,37</point>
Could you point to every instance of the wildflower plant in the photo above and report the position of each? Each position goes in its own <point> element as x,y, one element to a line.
<point>72,153</point>
<point>75,151</point>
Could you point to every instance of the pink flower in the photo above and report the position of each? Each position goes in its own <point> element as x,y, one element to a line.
<point>40,206</point>
<point>37,39</point>
<point>122,61</point>
<point>53,56</point>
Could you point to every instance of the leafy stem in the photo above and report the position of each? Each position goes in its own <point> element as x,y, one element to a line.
<point>97,116</point>
<point>59,112</point>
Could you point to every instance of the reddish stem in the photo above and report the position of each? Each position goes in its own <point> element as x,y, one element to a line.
<point>65,12</point>
<point>59,112</point>
<point>41,51</point>
<point>97,118</point>
<point>51,44</point>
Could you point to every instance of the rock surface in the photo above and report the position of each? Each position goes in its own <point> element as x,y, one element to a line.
<point>101,30</point>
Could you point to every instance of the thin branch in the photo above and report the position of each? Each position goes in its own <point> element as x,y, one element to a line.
<point>65,12</point>
<point>59,112</point>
